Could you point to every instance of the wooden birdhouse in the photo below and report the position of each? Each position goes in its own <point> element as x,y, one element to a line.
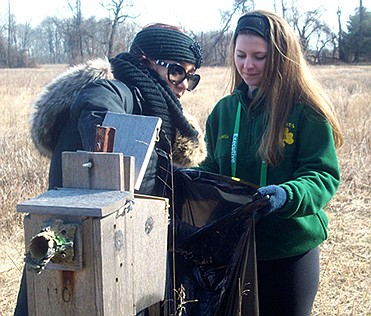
<point>93,247</point>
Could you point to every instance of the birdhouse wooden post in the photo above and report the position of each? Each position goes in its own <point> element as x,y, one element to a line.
<point>93,247</point>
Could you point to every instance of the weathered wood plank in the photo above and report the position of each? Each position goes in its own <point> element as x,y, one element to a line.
<point>78,202</point>
<point>93,170</point>
<point>116,266</point>
<point>150,225</point>
<point>129,167</point>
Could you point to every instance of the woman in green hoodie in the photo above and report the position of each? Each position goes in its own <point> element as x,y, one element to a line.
<point>278,130</point>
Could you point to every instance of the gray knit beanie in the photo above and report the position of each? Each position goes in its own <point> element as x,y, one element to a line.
<point>167,44</point>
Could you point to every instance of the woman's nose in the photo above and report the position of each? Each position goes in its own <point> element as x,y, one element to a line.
<point>249,63</point>
<point>183,85</point>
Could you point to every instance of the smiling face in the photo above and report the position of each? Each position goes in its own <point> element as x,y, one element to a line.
<point>250,57</point>
<point>180,88</point>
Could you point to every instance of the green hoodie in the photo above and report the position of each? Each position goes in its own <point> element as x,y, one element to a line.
<point>309,171</point>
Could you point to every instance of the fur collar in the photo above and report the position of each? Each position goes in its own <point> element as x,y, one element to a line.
<point>51,108</point>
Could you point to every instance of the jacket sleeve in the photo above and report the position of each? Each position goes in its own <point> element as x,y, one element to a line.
<point>317,175</point>
<point>92,103</point>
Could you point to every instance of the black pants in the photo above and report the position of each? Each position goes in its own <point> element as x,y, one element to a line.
<point>21,308</point>
<point>288,286</point>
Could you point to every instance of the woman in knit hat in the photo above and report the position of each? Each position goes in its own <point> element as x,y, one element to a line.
<point>148,80</point>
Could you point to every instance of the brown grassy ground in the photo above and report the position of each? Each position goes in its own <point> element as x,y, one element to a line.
<point>345,256</point>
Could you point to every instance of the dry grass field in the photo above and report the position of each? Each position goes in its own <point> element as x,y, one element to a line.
<point>345,257</point>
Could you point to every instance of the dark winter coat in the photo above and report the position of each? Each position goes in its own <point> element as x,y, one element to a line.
<point>71,105</point>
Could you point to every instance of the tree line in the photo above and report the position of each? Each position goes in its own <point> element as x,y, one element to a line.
<point>75,39</point>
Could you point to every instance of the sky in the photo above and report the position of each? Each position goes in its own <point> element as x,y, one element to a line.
<point>193,15</point>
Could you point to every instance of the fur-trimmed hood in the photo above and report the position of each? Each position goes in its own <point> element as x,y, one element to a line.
<point>51,110</point>
<point>52,107</point>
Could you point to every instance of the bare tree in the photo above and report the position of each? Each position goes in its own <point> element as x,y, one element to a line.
<point>360,32</point>
<point>10,31</point>
<point>75,33</point>
<point>25,36</point>
<point>2,50</point>
<point>51,42</point>
<point>96,37</point>
<point>340,36</point>
<point>239,7</point>
<point>324,37</point>
<point>115,7</point>
<point>307,24</point>
<point>284,8</point>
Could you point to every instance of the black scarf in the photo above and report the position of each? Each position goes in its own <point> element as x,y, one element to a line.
<point>159,99</point>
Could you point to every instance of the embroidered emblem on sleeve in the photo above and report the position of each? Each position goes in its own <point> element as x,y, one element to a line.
<point>288,137</point>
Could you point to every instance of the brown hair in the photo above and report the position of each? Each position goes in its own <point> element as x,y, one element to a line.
<point>287,81</point>
<point>163,26</point>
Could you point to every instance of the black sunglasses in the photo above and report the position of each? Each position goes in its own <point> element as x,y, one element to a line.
<point>176,74</point>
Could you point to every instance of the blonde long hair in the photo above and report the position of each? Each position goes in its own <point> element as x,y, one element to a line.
<point>287,81</point>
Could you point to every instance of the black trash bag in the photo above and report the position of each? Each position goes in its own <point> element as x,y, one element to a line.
<point>214,245</point>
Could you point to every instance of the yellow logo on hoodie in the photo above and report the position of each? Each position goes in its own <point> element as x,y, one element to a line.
<point>224,136</point>
<point>288,137</point>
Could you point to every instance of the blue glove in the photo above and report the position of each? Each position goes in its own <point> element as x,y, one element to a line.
<point>277,198</point>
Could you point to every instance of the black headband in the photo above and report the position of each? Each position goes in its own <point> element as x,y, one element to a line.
<point>255,22</point>
<point>168,44</point>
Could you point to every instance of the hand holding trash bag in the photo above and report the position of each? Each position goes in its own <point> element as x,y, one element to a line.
<point>277,198</point>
